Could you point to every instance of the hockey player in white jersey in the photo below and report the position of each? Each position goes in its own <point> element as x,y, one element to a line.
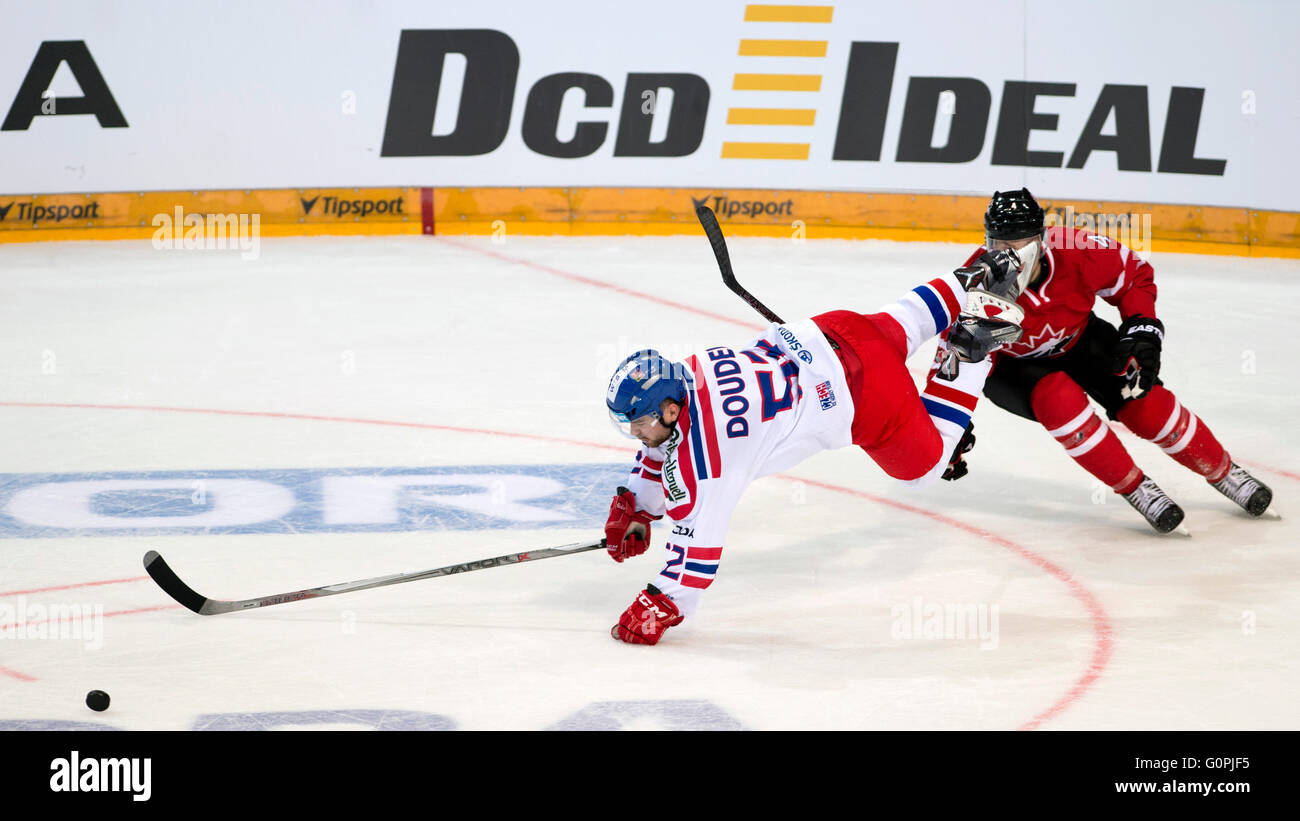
<point>711,425</point>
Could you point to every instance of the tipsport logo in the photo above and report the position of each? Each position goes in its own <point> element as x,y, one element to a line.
<point>357,209</point>
<point>33,213</point>
<point>728,208</point>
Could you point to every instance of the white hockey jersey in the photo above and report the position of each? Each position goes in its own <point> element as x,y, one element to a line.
<point>750,412</point>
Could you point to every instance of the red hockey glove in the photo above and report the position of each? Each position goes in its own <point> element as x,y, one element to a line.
<point>627,530</point>
<point>647,619</point>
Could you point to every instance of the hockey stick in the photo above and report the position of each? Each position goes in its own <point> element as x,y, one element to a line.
<point>710,222</point>
<point>183,593</point>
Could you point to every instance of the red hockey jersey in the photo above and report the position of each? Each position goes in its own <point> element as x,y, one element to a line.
<point>1080,267</point>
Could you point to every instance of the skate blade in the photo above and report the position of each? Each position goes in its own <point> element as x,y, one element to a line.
<point>1270,514</point>
<point>1181,530</point>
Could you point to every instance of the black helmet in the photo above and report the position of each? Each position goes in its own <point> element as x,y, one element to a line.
<point>1013,215</point>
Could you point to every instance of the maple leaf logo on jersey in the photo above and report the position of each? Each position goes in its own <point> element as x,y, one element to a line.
<point>1047,342</point>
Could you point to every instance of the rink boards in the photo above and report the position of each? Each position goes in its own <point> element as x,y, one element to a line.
<point>221,219</point>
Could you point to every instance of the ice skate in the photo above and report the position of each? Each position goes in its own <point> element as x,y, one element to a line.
<point>1253,495</point>
<point>1155,506</point>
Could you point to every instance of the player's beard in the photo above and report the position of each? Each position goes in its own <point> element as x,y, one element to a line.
<point>657,440</point>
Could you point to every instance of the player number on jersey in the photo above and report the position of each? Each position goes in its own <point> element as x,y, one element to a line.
<point>765,353</point>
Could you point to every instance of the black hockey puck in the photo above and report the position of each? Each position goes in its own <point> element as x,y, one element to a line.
<point>97,700</point>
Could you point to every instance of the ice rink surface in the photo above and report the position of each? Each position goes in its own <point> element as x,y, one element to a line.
<point>342,408</point>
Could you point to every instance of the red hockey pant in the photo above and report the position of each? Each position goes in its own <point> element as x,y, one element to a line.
<point>889,421</point>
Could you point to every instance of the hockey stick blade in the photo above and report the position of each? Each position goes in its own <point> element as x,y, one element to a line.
<point>709,221</point>
<point>173,586</point>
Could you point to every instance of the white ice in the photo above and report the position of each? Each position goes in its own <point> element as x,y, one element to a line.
<point>1100,623</point>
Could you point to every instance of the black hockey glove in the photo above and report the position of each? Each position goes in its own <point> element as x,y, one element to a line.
<point>1137,354</point>
<point>957,464</point>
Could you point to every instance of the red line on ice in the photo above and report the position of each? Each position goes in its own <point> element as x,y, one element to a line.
<point>141,610</point>
<point>310,417</point>
<point>1102,631</point>
<point>109,614</point>
<point>598,284</point>
<point>1278,471</point>
<point>71,586</point>
<point>5,671</point>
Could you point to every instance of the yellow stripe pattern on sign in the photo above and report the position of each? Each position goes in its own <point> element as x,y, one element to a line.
<point>765,151</point>
<point>771,116</point>
<point>766,13</point>
<point>782,48</point>
<point>777,82</point>
<point>743,119</point>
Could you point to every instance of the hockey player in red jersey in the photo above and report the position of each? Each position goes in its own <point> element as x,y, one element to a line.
<point>711,425</point>
<point>1067,354</point>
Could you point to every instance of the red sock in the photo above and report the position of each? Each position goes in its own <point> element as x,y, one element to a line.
<point>1159,417</point>
<point>1062,408</point>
